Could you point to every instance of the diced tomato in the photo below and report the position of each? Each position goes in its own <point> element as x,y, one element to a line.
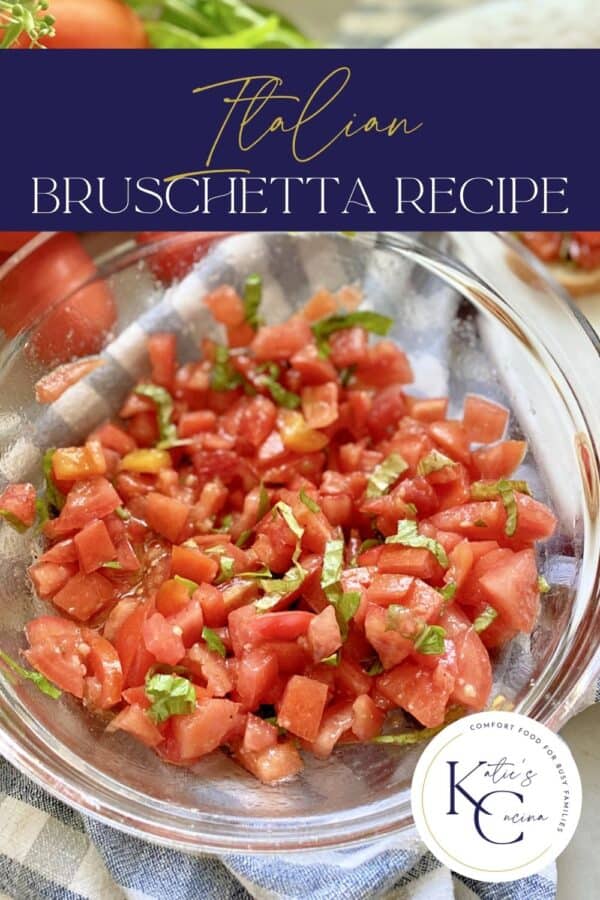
<point>312,367</point>
<point>324,636</point>
<point>423,693</point>
<point>320,404</point>
<point>166,515</point>
<point>484,420</point>
<point>274,764</point>
<point>84,595</point>
<point>126,556</point>
<point>348,347</point>
<point>49,578</point>
<point>387,409</point>
<point>473,684</point>
<point>213,605</point>
<point>281,341</point>
<point>193,564</point>
<point>203,731</point>
<point>297,435</point>
<point>336,720</point>
<point>391,645</point>
<point>350,678</point>
<point>499,461</point>
<point>415,561</point>
<point>162,640</point>
<point>135,658</point>
<point>225,304</point>
<point>92,498</point>
<point>18,501</point>
<point>452,438</point>
<point>162,349</point>
<point>212,668</point>
<point>259,735</point>
<point>279,626</point>
<point>189,621</point>
<point>427,410</point>
<point>292,658</point>
<point>192,423</point>
<point>114,438</point>
<point>75,463</point>
<point>104,683</point>
<point>487,518</point>
<point>367,718</point>
<point>172,597</point>
<point>135,720</point>
<point>54,651</point>
<point>256,671</point>
<point>61,553</point>
<point>387,589</point>
<point>302,706</point>
<point>512,589</point>
<point>94,546</point>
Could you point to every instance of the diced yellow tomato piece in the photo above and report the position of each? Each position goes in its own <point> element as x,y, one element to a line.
<point>146,462</point>
<point>296,435</point>
<point>74,463</point>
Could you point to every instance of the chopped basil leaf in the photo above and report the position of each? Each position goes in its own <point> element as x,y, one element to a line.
<point>50,505</point>
<point>309,502</point>
<point>264,504</point>
<point>485,619</point>
<point>347,605</point>
<point>224,377</point>
<point>408,536</point>
<point>289,518</point>
<point>226,567</point>
<point>276,588</point>
<point>433,462</point>
<point>112,565</point>
<point>13,521</point>
<point>280,395</point>
<point>482,490</point>
<point>243,537</point>
<point>370,321</point>
<point>376,668</point>
<point>490,490</point>
<point>171,695</point>
<point>543,586</point>
<point>448,592</point>
<point>252,300</point>
<point>40,681</point>
<point>479,523</point>
<point>123,513</point>
<point>190,585</point>
<point>385,474</point>
<point>333,561</point>
<point>333,660</point>
<point>396,616</point>
<point>164,411</point>
<point>431,640</point>
<point>265,572</point>
<point>213,641</point>
<point>267,603</point>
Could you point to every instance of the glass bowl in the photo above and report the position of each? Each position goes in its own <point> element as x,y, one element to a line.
<point>478,317</point>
